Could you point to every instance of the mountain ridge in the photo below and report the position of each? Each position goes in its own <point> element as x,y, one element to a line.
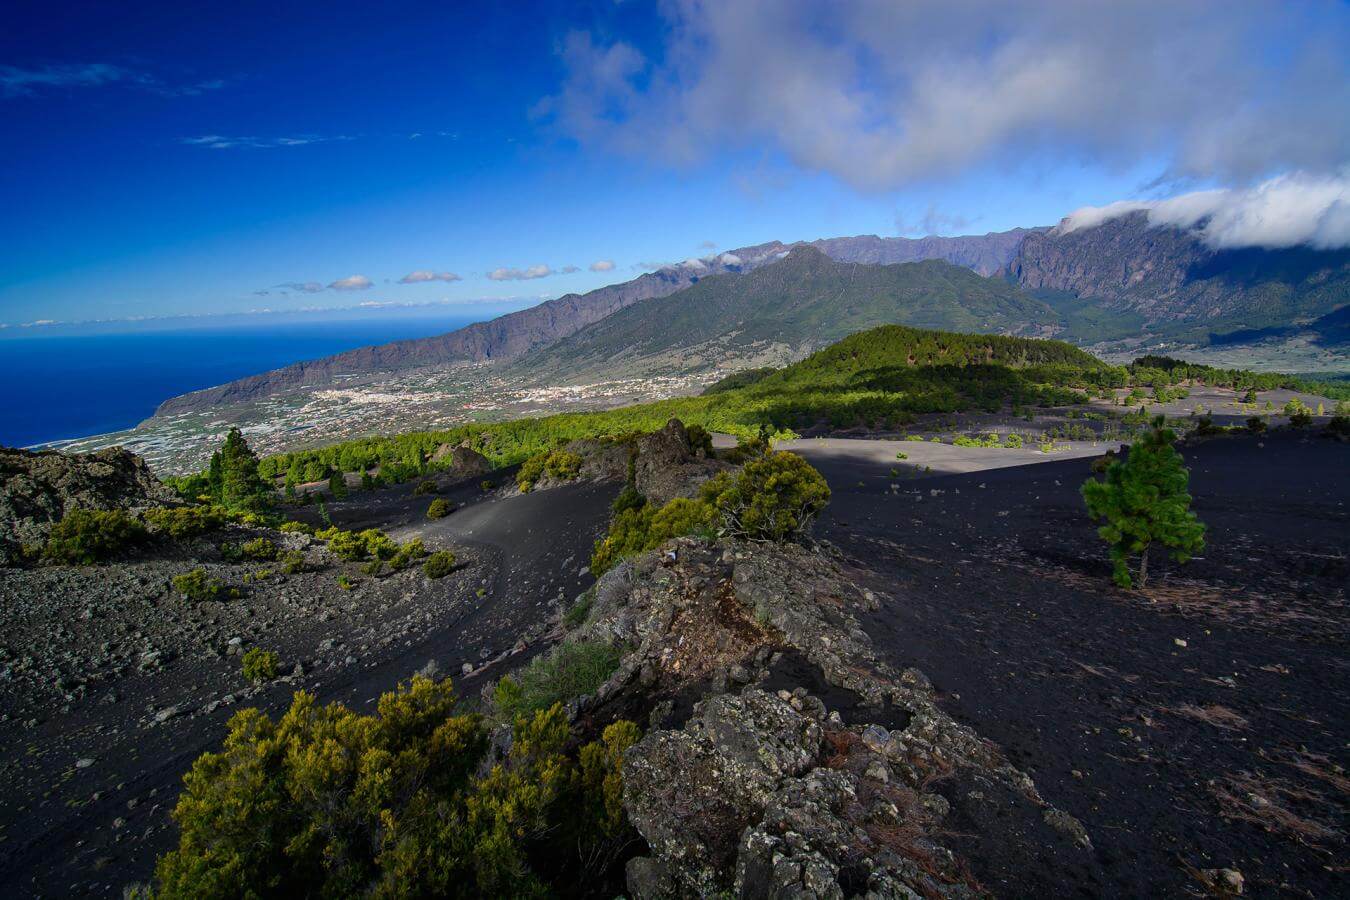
<point>515,334</point>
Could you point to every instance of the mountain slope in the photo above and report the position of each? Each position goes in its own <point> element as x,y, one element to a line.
<point>1179,285</point>
<point>793,306</point>
<point>516,334</point>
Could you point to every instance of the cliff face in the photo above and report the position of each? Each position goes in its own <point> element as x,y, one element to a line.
<point>516,334</point>
<point>1171,277</point>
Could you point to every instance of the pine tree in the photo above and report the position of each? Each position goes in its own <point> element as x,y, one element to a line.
<point>1144,501</point>
<point>337,485</point>
<point>241,487</point>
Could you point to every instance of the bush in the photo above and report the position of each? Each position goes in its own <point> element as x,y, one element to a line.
<point>181,522</point>
<point>295,528</point>
<point>337,485</point>
<point>412,550</point>
<point>261,665</point>
<point>1144,501</point>
<point>439,564</point>
<point>700,440</point>
<point>560,464</point>
<point>293,562</point>
<point>425,487</point>
<point>487,484</point>
<point>629,498</point>
<point>84,537</point>
<point>774,498</point>
<point>571,669</point>
<point>358,545</point>
<point>1338,427</point>
<point>439,508</point>
<point>260,549</point>
<point>1256,424</point>
<point>197,585</point>
<point>328,802</point>
<point>637,530</point>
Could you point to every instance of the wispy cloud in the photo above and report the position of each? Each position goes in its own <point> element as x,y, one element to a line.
<point>568,270</point>
<point>536,271</point>
<point>301,287</point>
<point>352,283</point>
<point>933,221</point>
<point>422,276</point>
<point>602,265</point>
<point>26,82</point>
<point>227,142</point>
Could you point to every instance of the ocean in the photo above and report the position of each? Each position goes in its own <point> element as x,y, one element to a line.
<point>54,387</point>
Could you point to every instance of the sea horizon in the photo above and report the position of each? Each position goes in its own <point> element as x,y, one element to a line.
<point>65,385</point>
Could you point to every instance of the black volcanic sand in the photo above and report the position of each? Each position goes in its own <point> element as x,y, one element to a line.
<point>1196,725</point>
<point>532,548</point>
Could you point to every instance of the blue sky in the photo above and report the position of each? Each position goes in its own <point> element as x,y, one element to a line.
<point>161,160</point>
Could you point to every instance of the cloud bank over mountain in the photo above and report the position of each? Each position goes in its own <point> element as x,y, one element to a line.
<point>1282,212</point>
<point>883,94</point>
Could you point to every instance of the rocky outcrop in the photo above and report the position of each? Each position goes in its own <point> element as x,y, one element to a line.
<point>38,488</point>
<point>1168,275</point>
<point>669,466</point>
<point>464,462</point>
<point>783,759</point>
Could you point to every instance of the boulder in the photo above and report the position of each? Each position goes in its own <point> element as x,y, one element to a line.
<point>38,488</point>
<point>465,462</point>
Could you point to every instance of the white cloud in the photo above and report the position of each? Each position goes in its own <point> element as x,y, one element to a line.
<point>694,264</point>
<point>537,271</point>
<point>1282,212</point>
<point>602,265</point>
<point>568,270</point>
<point>881,94</point>
<point>18,82</point>
<point>730,259</point>
<point>421,276</point>
<point>352,283</point>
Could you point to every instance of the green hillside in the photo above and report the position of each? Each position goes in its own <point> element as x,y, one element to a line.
<point>886,375</point>
<point>803,302</point>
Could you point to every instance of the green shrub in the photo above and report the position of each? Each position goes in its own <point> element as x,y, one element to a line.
<point>293,562</point>
<point>359,545</point>
<point>577,613</point>
<point>407,554</point>
<point>629,498</point>
<point>345,582</point>
<point>774,498</point>
<point>181,522</point>
<point>295,528</point>
<point>571,669</point>
<point>914,437</point>
<point>1338,427</point>
<point>328,802</point>
<point>261,665</point>
<point>1013,441</point>
<point>1144,501</point>
<point>637,530</point>
<point>197,585</point>
<point>487,484</point>
<point>700,440</point>
<point>84,537</point>
<point>373,567</point>
<point>337,485</point>
<point>259,548</point>
<point>439,508</point>
<point>1256,424</point>
<point>425,487</point>
<point>439,564</point>
<point>560,464</point>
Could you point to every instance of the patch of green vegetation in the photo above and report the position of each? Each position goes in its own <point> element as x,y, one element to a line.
<point>354,546</point>
<point>738,380</point>
<point>560,464</point>
<point>578,612</point>
<point>571,669</point>
<point>84,537</point>
<point>328,802</point>
<point>439,564</point>
<point>261,665</point>
<point>234,479</point>
<point>1010,442</point>
<point>439,508</point>
<point>181,522</point>
<point>198,586</point>
<point>260,548</point>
